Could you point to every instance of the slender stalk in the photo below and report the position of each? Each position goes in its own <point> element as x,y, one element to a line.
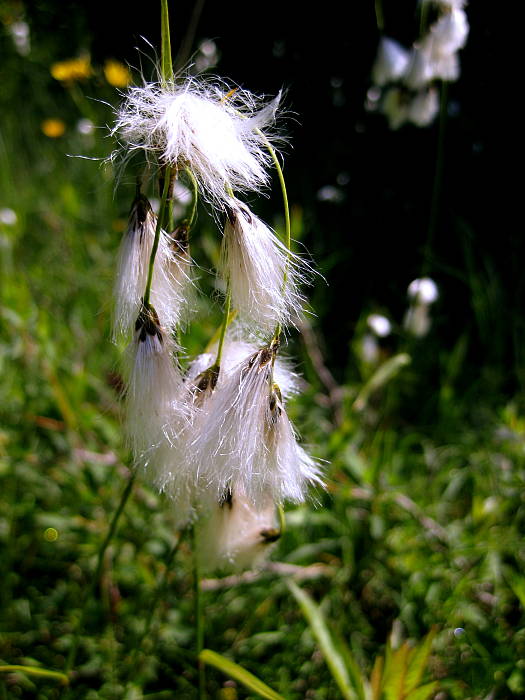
<point>287,221</point>
<point>98,571</point>
<point>158,229</point>
<point>195,191</point>
<point>438,179</point>
<point>35,671</point>
<point>165,53</point>
<point>199,622</point>
<point>380,17</point>
<point>159,593</point>
<point>224,326</point>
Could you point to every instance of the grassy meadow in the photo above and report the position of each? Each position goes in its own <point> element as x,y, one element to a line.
<point>403,580</point>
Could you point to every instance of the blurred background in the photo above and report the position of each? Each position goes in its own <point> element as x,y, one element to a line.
<point>415,403</point>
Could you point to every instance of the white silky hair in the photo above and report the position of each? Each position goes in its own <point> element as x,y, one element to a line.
<point>171,467</point>
<point>391,62</point>
<point>171,282</point>
<point>206,125</point>
<point>233,535</point>
<point>264,276</point>
<point>155,409</point>
<point>240,443</point>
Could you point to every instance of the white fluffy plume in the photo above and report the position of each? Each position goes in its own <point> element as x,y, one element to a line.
<point>205,125</point>
<point>171,273</point>
<point>233,535</point>
<point>244,439</point>
<point>264,276</point>
<point>155,411</point>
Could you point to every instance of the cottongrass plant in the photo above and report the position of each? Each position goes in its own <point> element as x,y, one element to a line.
<point>404,81</point>
<point>215,438</point>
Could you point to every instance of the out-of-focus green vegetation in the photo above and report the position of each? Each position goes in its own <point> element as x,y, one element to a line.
<point>420,531</point>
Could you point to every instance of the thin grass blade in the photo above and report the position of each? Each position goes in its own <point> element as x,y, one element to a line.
<point>238,673</point>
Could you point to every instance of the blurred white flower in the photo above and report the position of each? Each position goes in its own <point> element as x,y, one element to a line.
<point>20,34</point>
<point>423,108</point>
<point>423,290</point>
<point>85,127</point>
<point>391,62</point>
<point>395,107</point>
<point>8,216</point>
<point>450,32</point>
<point>379,324</point>
<point>417,320</point>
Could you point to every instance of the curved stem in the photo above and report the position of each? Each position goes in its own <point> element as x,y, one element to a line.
<point>287,221</point>
<point>98,571</point>
<point>224,326</point>
<point>195,189</point>
<point>438,180</point>
<point>158,229</point>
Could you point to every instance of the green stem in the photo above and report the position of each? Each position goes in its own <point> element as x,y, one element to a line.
<point>287,221</point>
<point>166,63</point>
<point>224,326</point>
<point>380,17</point>
<point>195,190</point>
<point>199,622</point>
<point>158,229</point>
<point>96,577</point>
<point>159,594</point>
<point>438,180</point>
<point>35,671</point>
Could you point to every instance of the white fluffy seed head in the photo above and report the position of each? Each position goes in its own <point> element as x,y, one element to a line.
<point>217,131</point>
<point>424,107</point>
<point>155,410</point>
<point>244,438</point>
<point>450,32</point>
<point>264,277</point>
<point>171,281</point>
<point>391,62</point>
<point>423,290</point>
<point>233,535</point>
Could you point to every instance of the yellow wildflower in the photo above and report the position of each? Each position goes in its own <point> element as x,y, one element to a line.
<point>117,74</point>
<point>72,69</point>
<point>53,128</point>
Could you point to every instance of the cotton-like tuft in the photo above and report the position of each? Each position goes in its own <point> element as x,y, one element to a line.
<point>171,283</point>
<point>233,535</point>
<point>245,439</point>
<point>218,132</point>
<point>264,277</point>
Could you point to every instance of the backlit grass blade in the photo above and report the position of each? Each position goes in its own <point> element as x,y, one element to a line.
<point>321,632</point>
<point>238,673</point>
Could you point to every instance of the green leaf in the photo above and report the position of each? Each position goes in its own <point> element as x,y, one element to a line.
<point>395,672</point>
<point>333,658</point>
<point>418,661</point>
<point>35,671</point>
<point>423,692</point>
<point>229,668</point>
<point>381,376</point>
